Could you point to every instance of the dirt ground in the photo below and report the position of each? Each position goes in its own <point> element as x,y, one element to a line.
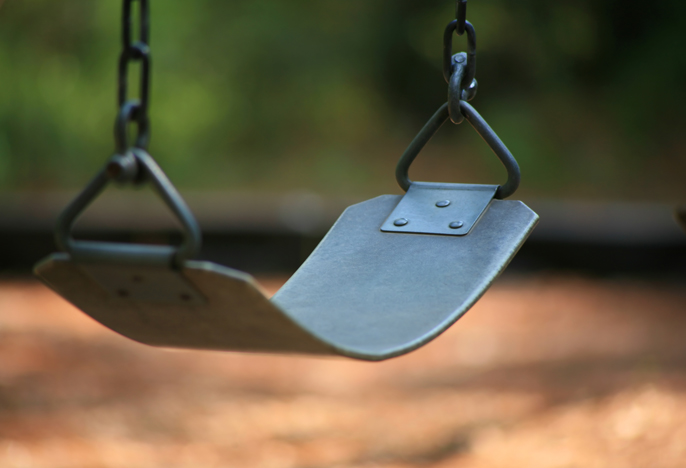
<point>548,371</point>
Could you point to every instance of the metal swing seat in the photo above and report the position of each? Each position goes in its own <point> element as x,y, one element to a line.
<point>391,274</point>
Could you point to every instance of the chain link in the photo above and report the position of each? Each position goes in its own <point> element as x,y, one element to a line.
<point>448,67</point>
<point>459,70</point>
<point>134,51</point>
<point>461,16</point>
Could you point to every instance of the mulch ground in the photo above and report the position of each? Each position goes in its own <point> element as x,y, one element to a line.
<point>548,371</point>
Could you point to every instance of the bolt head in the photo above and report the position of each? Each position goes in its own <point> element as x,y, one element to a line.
<point>443,203</point>
<point>400,222</point>
<point>456,225</point>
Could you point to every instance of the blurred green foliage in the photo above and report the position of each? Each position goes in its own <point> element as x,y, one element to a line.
<point>324,95</point>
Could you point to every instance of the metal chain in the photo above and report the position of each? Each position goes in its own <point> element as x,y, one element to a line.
<point>459,70</point>
<point>461,16</point>
<point>134,51</point>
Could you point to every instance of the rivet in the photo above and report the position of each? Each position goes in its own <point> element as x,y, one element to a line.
<point>443,203</point>
<point>456,225</point>
<point>400,222</point>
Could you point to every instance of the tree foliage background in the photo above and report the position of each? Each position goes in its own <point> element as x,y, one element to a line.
<point>324,95</point>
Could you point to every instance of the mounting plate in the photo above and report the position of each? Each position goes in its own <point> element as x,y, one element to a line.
<point>446,209</point>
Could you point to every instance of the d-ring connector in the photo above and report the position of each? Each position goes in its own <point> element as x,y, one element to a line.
<point>89,251</point>
<point>481,127</point>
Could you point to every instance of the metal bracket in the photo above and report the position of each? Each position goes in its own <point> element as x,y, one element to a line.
<point>445,209</point>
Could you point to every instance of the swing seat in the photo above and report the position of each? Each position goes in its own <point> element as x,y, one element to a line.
<point>363,293</point>
<point>391,274</point>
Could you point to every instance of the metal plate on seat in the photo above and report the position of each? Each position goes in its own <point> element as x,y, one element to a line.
<point>363,293</point>
<point>448,209</point>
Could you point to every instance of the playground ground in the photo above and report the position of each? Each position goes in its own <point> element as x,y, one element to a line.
<point>549,371</point>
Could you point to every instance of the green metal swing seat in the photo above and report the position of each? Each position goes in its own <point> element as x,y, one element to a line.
<point>391,274</point>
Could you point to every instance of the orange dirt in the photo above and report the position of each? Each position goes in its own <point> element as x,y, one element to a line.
<point>554,372</point>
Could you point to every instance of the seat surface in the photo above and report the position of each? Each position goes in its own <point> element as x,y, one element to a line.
<point>362,293</point>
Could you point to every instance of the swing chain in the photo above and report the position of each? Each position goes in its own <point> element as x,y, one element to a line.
<point>459,26</point>
<point>134,51</point>
<point>459,70</point>
<point>461,16</point>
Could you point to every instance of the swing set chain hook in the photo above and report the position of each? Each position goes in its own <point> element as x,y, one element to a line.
<point>459,71</point>
<point>131,164</point>
<point>134,51</point>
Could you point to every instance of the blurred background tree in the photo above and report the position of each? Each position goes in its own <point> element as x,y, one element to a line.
<point>324,96</point>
